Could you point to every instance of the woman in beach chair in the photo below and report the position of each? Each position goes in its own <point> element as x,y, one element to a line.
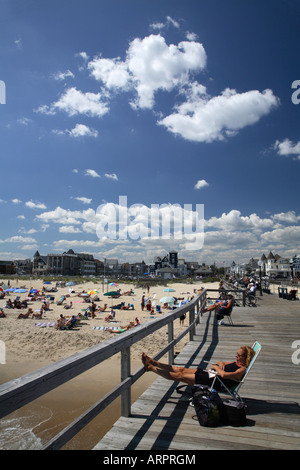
<point>229,372</point>
<point>70,323</point>
<point>60,322</point>
<point>221,308</point>
<point>111,316</point>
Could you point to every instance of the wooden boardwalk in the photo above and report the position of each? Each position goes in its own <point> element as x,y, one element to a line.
<point>162,419</point>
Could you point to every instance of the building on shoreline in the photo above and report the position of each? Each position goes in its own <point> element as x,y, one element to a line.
<point>273,266</point>
<point>167,266</point>
<point>70,263</point>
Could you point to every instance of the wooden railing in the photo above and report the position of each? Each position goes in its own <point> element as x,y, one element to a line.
<point>238,294</point>
<point>19,392</point>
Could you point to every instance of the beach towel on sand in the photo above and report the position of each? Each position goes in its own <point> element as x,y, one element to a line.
<point>42,325</point>
<point>105,328</point>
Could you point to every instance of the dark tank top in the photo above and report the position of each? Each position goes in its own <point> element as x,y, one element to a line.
<point>232,367</point>
<point>202,377</point>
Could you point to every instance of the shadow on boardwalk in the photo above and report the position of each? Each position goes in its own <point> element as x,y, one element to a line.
<point>163,420</point>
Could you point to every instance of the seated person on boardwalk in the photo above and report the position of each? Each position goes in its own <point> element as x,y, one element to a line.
<point>227,371</point>
<point>221,308</point>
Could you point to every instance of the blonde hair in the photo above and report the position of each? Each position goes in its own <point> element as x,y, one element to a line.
<point>248,353</point>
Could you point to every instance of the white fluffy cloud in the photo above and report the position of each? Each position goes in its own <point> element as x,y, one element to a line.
<point>205,119</point>
<point>156,66</point>
<point>69,229</point>
<point>112,72</point>
<point>201,184</point>
<point>81,130</point>
<point>35,205</point>
<point>150,66</point>
<point>146,231</point>
<point>84,200</point>
<point>75,102</point>
<point>63,75</point>
<point>92,173</point>
<point>287,148</point>
<point>234,220</point>
<point>111,176</point>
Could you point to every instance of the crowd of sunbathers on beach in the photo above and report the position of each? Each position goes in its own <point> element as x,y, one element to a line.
<point>67,322</point>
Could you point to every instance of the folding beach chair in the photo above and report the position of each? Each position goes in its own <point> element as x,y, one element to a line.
<point>233,391</point>
<point>225,314</point>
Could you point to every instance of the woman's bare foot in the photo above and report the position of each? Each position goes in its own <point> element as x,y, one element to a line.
<point>147,361</point>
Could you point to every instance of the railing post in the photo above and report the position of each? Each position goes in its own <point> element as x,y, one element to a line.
<point>170,338</point>
<point>191,319</point>
<point>198,307</point>
<point>125,373</point>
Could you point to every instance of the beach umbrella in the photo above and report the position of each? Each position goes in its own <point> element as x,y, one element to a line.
<point>1,289</point>
<point>112,284</point>
<point>10,289</point>
<point>33,291</point>
<point>93,292</point>
<point>112,293</point>
<point>167,299</point>
<point>20,291</point>
<point>71,283</point>
<point>169,290</point>
<point>47,282</point>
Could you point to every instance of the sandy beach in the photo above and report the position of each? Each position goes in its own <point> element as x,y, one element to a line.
<point>29,347</point>
<point>27,341</point>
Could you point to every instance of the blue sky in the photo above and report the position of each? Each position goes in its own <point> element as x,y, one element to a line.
<point>168,103</point>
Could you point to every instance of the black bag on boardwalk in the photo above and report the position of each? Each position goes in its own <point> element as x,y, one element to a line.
<point>208,406</point>
<point>233,413</point>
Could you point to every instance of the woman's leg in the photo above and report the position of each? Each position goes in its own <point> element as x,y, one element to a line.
<point>178,374</point>
<point>210,308</point>
<point>186,375</point>
<point>160,365</point>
